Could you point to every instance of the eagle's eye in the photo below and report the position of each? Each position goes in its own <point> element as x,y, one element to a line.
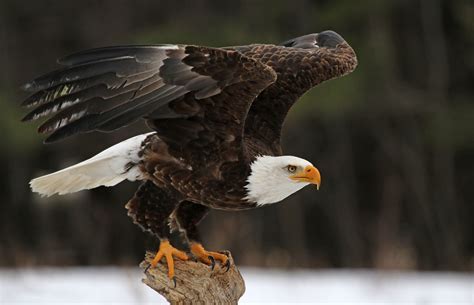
<point>291,168</point>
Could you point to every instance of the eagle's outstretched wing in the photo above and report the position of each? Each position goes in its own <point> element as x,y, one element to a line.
<point>195,97</point>
<point>300,63</point>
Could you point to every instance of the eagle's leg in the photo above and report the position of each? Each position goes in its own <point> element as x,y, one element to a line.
<point>188,216</point>
<point>150,208</point>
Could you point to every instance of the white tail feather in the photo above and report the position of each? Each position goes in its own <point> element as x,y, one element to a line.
<point>108,168</point>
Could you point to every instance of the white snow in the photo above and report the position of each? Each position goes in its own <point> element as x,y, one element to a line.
<point>123,286</point>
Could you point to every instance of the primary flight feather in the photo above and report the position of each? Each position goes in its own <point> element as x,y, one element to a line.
<point>216,116</point>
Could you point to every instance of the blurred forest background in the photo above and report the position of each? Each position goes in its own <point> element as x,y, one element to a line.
<point>394,140</point>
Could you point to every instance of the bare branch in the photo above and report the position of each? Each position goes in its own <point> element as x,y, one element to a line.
<point>195,282</point>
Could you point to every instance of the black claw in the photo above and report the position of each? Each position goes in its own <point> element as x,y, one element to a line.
<point>213,262</point>
<point>174,281</point>
<point>146,269</point>
<point>227,265</point>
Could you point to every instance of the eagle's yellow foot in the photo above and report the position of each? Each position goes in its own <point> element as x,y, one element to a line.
<point>208,257</point>
<point>168,251</point>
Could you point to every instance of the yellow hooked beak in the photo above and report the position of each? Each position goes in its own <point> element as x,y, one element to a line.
<point>309,174</point>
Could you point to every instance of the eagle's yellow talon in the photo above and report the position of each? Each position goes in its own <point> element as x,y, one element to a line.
<point>208,257</point>
<point>168,251</point>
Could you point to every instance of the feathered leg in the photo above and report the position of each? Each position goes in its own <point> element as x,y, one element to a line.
<point>150,208</point>
<point>187,216</point>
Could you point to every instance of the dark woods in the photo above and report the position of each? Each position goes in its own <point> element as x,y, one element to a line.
<point>393,140</point>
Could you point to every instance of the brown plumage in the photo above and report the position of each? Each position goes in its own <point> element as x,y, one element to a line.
<point>214,111</point>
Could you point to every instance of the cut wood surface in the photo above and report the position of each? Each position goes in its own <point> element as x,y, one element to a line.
<point>195,282</point>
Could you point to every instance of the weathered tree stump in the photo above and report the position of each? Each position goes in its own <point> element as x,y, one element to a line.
<point>195,282</point>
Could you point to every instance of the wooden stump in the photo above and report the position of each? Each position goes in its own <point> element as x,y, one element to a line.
<point>195,282</point>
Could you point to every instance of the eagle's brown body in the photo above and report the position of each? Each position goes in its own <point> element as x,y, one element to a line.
<point>214,111</point>
<point>221,180</point>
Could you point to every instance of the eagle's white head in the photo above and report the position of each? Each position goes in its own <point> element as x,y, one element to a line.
<point>272,179</point>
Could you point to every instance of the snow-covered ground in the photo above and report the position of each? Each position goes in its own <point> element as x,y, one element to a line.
<point>123,286</point>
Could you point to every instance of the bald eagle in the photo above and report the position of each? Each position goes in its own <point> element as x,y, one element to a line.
<point>216,116</point>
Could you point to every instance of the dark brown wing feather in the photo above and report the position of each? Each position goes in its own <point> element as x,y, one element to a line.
<point>197,98</point>
<point>105,89</point>
<point>300,64</point>
<point>210,123</point>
